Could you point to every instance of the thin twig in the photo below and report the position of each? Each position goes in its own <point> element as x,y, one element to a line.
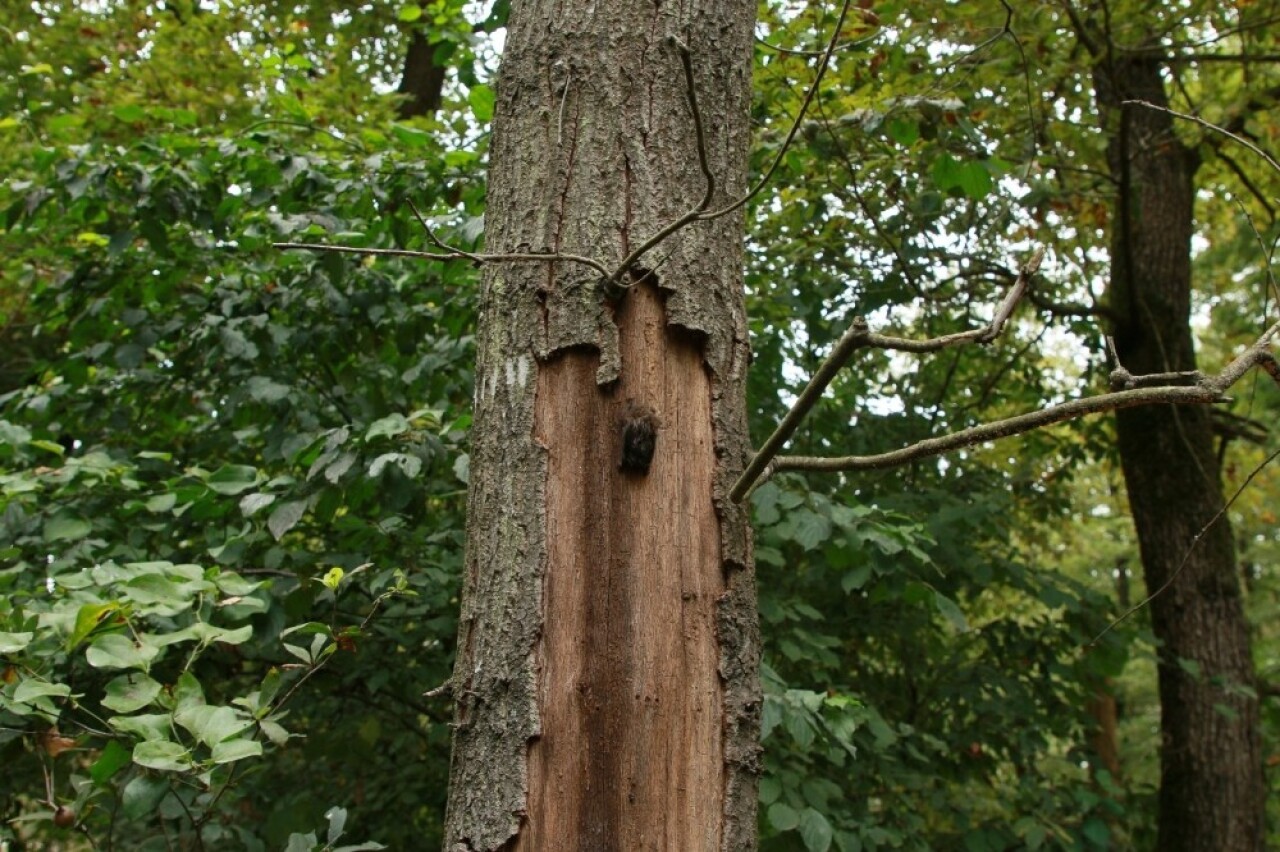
<point>506,257</point>
<point>813,54</point>
<point>1207,390</point>
<point>436,241</point>
<point>1210,126</point>
<point>795,125</point>
<point>686,60</point>
<point>1186,557</point>
<point>859,336</point>
<point>448,252</point>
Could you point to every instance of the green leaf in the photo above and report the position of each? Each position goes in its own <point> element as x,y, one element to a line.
<point>387,427</point>
<point>211,724</point>
<point>409,13</point>
<point>274,732</point>
<point>1096,832</point>
<point>333,577</point>
<point>411,137</point>
<point>951,612</point>
<point>141,795</point>
<point>251,503</point>
<point>161,754</point>
<point>31,689</point>
<point>481,98</point>
<point>902,131</point>
<point>810,528</point>
<point>12,643</point>
<point>148,726</point>
<point>815,831</point>
<point>233,750</point>
<point>285,517</point>
<point>337,822</point>
<point>302,842</point>
<point>161,593</point>
<point>411,466</point>
<point>233,479</point>
<point>66,526</point>
<point>162,503</point>
<point>971,177</point>
<point>128,693</point>
<point>13,434</point>
<point>114,757</point>
<point>856,578</point>
<point>129,113</point>
<point>88,617</point>
<point>783,817</point>
<point>118,651</point>
<point>49,446</point>
<point>264,389</point>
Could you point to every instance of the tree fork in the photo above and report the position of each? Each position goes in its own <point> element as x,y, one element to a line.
<point>607,677</point>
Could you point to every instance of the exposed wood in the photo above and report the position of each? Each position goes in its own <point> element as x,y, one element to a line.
<point>628,694</point>
<point>607,678</point>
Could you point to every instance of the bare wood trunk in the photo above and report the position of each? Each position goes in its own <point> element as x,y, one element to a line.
<point>1211,787</point>
<point>607,685</point>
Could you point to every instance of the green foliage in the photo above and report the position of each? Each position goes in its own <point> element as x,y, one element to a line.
<point>232,478</point>
<point>231,481</point>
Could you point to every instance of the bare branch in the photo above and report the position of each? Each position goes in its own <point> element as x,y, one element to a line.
<point>1177,58</point>
<point>1210,126</point>
<point>795,125</point>
<point>450,253</point>
<point>507,257</point>
<point>1063,309</point>
<point>859,336</point>
<point>1186,557</point>
<point>1204,391</point>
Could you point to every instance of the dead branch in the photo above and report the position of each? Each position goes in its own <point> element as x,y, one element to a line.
<point>448,252</point>
<point>1203,390</point>
<point>1209,125</point>
<point>859,336</point>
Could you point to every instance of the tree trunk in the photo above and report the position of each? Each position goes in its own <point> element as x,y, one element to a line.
<point>1211,788</point>
<point>422,82</point>
<point>607,677</point>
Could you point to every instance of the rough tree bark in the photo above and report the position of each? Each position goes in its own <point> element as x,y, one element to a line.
<point>1211,789</point>
<point>606,687</point>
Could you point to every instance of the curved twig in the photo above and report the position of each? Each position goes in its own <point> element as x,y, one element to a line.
<point>795,125</point>
<point>1205,390</point>
<point>859,336</point>
<point>687,61</point>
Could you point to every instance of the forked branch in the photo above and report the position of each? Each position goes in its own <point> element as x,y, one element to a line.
<point>1128,390</point>
<point>1203,390</point>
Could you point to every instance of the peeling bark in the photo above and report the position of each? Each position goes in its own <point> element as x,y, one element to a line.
<point>607,677</point>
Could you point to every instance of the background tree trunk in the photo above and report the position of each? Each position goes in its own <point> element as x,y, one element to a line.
<point>422,80</point>
<point>1211,789</point>
<point>607,685</point>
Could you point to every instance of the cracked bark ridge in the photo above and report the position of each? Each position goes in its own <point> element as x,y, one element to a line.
<point>607,677</point>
